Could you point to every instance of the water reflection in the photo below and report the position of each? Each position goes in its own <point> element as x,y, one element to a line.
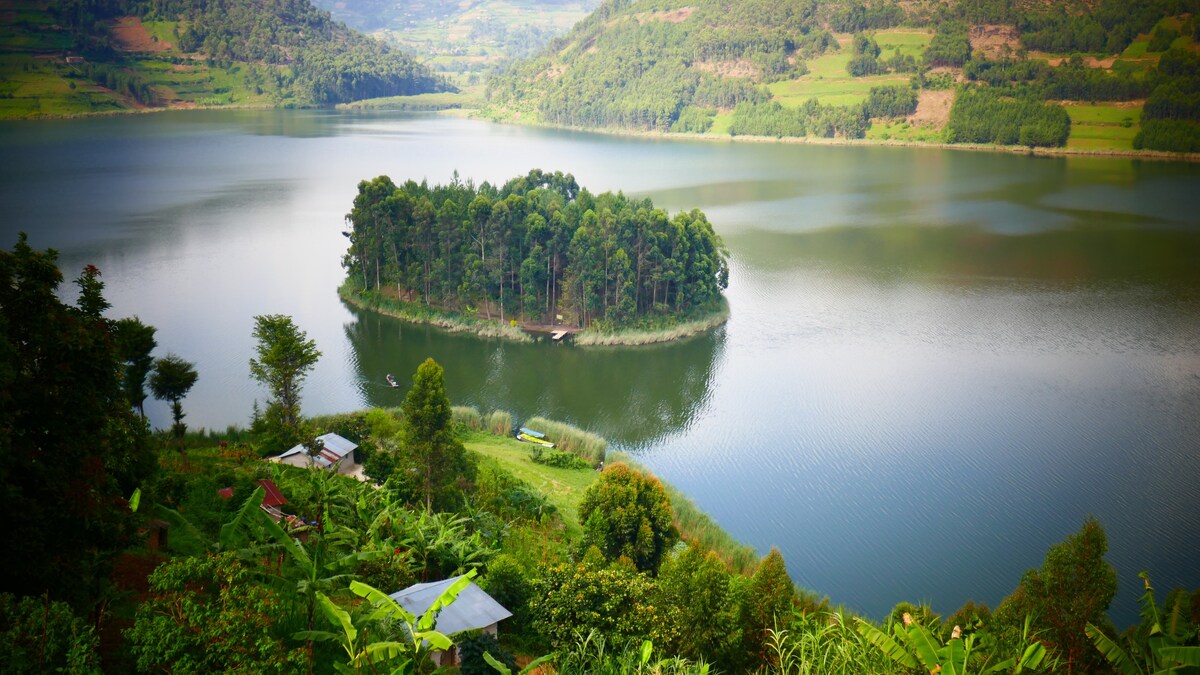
<point>634,397</point>
<point>1092,253</point>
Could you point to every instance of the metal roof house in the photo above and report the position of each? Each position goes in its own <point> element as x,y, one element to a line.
<point>337,455</point>
<point>473,609</point>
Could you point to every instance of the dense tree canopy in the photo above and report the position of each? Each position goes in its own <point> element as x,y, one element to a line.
<point>321,60</point>
<point>71,446</point>
<point>537,247</point>
<point>135,342</point>
<point>627,514</point>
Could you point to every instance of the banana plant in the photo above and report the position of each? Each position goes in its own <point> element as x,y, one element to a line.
<point>915,646</point>
<point>1162,650</point>
<point>412,638</point>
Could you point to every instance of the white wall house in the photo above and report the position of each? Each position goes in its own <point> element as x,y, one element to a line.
<point>336,455</point>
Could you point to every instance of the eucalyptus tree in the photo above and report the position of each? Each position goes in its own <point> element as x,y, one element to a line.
<point>171,380</point>
<point>135,342</point>
<point>285,356</point>
<point>438,456</point>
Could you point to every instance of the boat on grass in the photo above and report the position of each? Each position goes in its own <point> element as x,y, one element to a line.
<point>536,437</point>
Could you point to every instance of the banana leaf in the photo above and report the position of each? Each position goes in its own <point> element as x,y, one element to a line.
<point>884,643</point>
<point>1112,652</point>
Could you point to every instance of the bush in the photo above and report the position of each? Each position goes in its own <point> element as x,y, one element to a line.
<point>574,600</point>
<point>557,458</point>
<point>38,635</point>
<point>471,649</point>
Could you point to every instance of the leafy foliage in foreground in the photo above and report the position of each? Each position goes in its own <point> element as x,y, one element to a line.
<point>71,445</point>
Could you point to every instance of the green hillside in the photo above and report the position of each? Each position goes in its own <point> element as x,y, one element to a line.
<point>1000,72</point>
<point>76,57</point>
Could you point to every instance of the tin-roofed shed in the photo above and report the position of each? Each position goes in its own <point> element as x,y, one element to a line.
<point>337,454</point>
<point>474,609</point>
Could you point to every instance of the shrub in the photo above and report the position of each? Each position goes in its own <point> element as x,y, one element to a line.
<point>557,458</point>
<point>38,635</point>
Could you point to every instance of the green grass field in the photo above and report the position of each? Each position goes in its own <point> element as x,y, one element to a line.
<point>828,81</point>
<point>563,487</point>
<point>1103,127</point>
<point>911,43</point>
<point>902,131</point>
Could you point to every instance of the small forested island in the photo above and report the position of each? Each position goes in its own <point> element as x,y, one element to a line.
<point>539,252</point>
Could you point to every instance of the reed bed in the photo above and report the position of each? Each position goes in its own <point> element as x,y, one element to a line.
<point>498,423</point>
<point>584,444</point>
<point>468,416</point>
<point>375,301</point>
<point>649,336</point>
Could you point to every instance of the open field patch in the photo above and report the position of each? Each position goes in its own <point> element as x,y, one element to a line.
<point>131,36</point>
<point>1103,127</point>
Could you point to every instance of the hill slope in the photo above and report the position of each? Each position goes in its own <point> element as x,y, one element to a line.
<point>76,56</point>
<point>884,69</point>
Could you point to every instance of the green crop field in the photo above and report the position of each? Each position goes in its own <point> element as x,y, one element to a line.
<point>1103,127</point>
<point>828,81</point>
<point>902,131</point>
<point>912,43</point>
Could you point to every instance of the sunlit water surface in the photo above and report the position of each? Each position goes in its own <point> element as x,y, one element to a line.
<point>938,363</point>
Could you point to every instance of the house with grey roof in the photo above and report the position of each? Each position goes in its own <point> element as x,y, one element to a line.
<point>336,454</point>
<point>473,609</point>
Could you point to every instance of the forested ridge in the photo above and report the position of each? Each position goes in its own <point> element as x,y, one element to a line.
<point>683,66</point>
<point>164,52</point>
<point>536,248</point>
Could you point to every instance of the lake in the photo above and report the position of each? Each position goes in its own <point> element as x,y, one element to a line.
<point>938,363</point>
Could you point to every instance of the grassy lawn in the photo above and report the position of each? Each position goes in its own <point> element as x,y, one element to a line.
<point>721,124</point>
<point>563,487</point>
<point>828,81</point>
<point>1102,127</point>
<point>912,43</point>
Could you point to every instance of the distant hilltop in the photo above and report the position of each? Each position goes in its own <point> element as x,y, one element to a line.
<point>74,58</point>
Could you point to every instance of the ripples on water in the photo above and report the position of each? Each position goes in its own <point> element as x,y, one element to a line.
<point>937,365</point>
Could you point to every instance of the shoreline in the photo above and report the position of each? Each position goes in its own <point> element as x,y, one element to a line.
<point>1111,153</point>
<point>350,294</point>
<point>476,114</point>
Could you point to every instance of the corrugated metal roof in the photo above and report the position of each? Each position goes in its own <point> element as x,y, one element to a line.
<point>273,497</point>
<point>473,608</point>
<point>335,448</point>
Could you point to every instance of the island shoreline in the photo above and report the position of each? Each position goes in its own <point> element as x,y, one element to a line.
<point>351,294</point>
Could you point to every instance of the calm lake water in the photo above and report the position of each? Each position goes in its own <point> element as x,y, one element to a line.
<point>938,363</point>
